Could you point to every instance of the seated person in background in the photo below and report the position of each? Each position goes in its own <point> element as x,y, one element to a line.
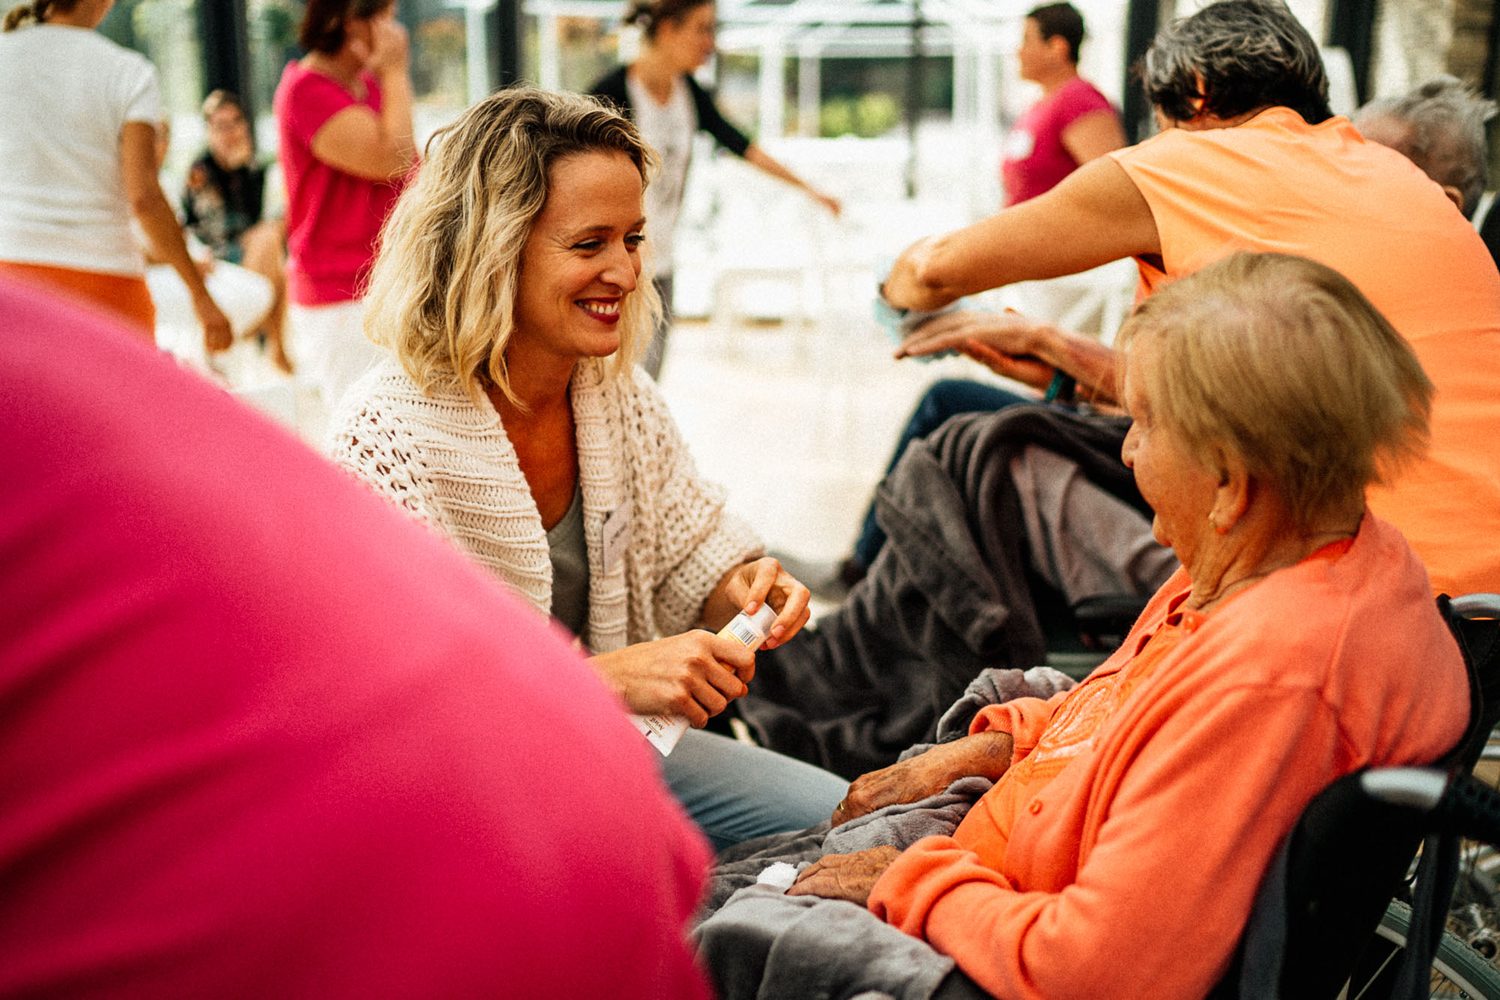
<point>309,754</point>
<point>1439,126</point>
<point>1132,818</point>
<point>222,205</point>
<point>1250,158</point>
<point>509,416</point>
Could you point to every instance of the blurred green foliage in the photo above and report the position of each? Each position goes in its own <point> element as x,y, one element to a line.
<point>866,116</point>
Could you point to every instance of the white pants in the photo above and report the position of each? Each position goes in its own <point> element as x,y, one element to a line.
<point>328,344</point>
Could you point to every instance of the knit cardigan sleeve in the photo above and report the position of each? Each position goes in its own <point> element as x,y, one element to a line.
<point>373,442</point>
<point>687,538</point>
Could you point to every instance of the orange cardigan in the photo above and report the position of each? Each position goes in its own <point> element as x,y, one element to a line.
<point>1125,862</point>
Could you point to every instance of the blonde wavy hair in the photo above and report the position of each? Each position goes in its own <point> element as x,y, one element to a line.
<point>1283,362</point>
<point>444,284</point>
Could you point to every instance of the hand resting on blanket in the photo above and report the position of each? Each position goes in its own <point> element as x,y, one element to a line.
<point>852,876</point>
<point>845,876</point>
<point>984,754</point>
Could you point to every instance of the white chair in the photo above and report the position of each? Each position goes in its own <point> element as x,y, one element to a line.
<point>244,297</point>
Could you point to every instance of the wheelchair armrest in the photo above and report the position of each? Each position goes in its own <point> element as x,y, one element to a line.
<point>1108,612</point>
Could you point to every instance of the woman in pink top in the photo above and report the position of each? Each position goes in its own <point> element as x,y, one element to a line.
<point>1073,122</point>
<point>309,755</point>
<point>1120,848</point>
<point>344,116</point>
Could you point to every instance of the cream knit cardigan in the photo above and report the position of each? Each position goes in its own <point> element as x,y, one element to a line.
<point>450,464</point>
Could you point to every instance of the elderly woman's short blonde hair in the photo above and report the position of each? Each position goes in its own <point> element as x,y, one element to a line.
<point>443,288</point>
<point>1283,362</point>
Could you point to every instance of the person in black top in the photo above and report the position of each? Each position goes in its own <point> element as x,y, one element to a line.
<point>659,94</point>
<point>223,204</point>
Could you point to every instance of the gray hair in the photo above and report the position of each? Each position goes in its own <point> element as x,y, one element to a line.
<point>1283,362</point>
<point>1234,57</point>
<point>1444,121</point>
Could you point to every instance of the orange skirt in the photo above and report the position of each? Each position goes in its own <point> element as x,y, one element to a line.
<point>126,298</point>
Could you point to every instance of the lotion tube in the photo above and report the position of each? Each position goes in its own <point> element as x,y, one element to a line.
<point>663,731</point>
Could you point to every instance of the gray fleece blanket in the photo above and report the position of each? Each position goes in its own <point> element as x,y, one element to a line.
<point>949,595</point>
<point>760,944</point>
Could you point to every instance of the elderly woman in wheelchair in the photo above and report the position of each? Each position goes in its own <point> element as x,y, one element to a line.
<point>1130,820</point>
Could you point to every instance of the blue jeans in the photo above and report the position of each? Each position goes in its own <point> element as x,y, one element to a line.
<point>735,791</point>
<point>946,398</point>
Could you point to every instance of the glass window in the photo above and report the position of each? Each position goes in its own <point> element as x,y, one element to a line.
<point>569,51</point>
<point>439,61</point>
<point>272,44</point>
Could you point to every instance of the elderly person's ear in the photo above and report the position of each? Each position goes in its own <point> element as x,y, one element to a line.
<point>1454,195</point>
<point>1197,101</point>
<point>1233,496</point>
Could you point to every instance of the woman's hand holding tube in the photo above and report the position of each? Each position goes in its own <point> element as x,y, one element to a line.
<point>694,675</point>
<point>751,584</point>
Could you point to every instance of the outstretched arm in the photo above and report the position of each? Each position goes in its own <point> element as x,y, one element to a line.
<point>163,232</point>
<point>1094,216</point>
<point>765,161</point>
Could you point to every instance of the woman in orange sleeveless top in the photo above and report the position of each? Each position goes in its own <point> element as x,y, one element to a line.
<point>1251,158</point>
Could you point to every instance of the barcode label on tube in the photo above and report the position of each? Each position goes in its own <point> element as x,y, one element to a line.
<point>744,632</point>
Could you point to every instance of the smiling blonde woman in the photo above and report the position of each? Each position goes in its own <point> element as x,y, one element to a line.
<point>511,418</point>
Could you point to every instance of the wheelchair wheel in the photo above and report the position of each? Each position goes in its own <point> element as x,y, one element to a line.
<point>1457,970</point>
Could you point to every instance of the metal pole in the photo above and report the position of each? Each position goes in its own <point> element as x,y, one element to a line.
<point>505,35</point>
<point>1141,20</point>
<point>915,78</point>
<point>225,50</point>
<point>1351,27</point>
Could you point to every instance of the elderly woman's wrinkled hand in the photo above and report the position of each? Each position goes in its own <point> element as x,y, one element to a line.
<point>985,754</point>
<point>1006,343</point>
<point>764,580</point>
<point>845,876</point>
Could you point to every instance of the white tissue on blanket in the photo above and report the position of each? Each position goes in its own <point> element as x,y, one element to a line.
<point>781,875</point>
